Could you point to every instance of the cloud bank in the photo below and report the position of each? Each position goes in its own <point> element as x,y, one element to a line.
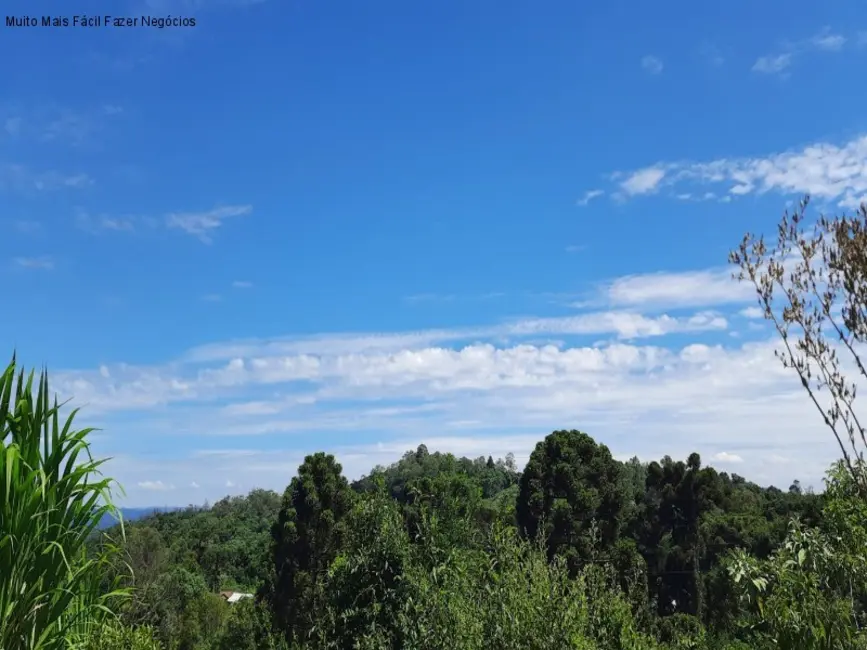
<point>649,383</point>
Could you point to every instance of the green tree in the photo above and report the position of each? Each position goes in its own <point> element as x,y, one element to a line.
<point>796,598</point>
<point>146,554</point>
<point>228,543</point>
<point>166,602</point>
<point>202,622</point>
<point>248,627</point>
<point>367,587</point>
<point>455,498</point>
<point>143,560</point>
<point>570,488</point>
<point>492,477</point>
<point>810,593</point>
<point>677,496</point>
<point>305,540</point>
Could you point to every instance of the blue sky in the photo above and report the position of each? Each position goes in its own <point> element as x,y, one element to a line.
<point>359,226</point>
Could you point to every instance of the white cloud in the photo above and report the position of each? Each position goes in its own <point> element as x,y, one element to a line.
<point>56,125</point>
<point>623,324</point>
<point>212,297</point>
<point>772,64</point>
<point>589,196</point>
<point>227,453</point>
<point>687,289</point>
<point>365,363</point>
<point>195,485</point>
<point>20,178</point>
<point>42,263</point>
<point>67,126</point>
<point>100,223</point>
<point>708,398</point>
<point>643,181</point>
<point>485,390</point>
<point>725,457</point>
<point>639,400</point>
<point>242,284</point>
<point>202,224</point>
<point>245,409</point>
<point>752,312</point>
<point>827,40</point>
<point>626,325</point>
<point>155,486</point>
<point>651,64</point>
<point>827,171</point>
<point>824,41</point>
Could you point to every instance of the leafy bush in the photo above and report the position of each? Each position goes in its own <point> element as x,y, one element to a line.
<point>51,499</point>
<point>809,594</point>
<point>113,636</point>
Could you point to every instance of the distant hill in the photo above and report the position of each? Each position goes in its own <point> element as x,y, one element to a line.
<point>132,514</point>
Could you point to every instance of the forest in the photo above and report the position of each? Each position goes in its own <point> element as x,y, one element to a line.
<point>574,550</point>
<point>442,552</point>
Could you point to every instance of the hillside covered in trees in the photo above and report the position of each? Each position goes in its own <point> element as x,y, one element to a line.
<point>439,551</point>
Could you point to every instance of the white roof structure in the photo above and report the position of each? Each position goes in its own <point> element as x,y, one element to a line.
<point>235,596</point>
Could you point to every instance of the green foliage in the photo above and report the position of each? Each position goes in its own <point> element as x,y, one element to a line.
<point>202,622</point>
<point>607,556</point>
<point>455,498</point>
<point>611,624</point>
<point>411,556</point>
<point>677,496</point>
<point>226,543</point>
<point>385,593</point>
<point>111,635</point>
<point>570,487</point>
<point>797,604</point>
<point>810,593</point>
<point>166,602</point>
<point>682,631</point>
<point>51,500</point>
<point>248,627</point>
<point>145,553</point>
<point>500,508</point>
<point>508,596</point>
<point>489,476</point>
<point>305,540</point>
<point>367,584</point>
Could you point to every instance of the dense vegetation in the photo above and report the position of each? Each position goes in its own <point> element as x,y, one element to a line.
<point>434,551</point>
<point>578,550</point>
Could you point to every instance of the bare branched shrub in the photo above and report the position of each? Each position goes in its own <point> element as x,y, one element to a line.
<point>813,287</point>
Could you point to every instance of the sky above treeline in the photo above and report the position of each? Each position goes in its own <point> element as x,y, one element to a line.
<point>359,226</point>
